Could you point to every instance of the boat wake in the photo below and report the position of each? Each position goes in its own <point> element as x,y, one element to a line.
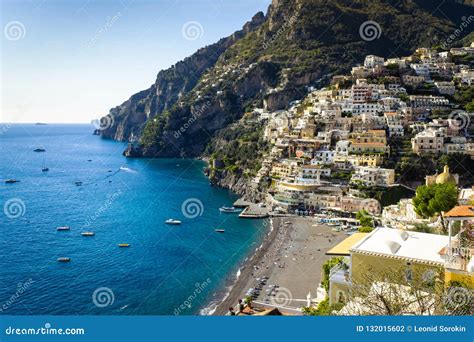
<point>127,169</point>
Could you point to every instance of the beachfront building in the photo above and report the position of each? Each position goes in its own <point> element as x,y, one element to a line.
<point>417,254</point>
<point>381,250</point>
<point>284,168</point>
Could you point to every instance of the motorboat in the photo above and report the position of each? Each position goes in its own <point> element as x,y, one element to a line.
<point>219,230</point>
<point>39,150</point>
<point>64,259</point>
<point>63,228</point>
<point>124,245</point>
<point>87,233</point>
<point>11,181</point>
<point>229,210</point>
<point>172,222</point>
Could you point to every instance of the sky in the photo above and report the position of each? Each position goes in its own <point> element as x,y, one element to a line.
<point>70,61</point>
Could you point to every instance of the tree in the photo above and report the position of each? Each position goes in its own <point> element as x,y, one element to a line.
<point>433,200</point>
<point>365,220</point>
<point>323,308</point>
<point>407,290</point>
<point>390,291</point>
<point>327,266</point>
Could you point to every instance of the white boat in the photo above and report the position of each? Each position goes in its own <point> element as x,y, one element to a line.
<point>225,209</point>
<point>219,230</point>
<point>63,228</point>
<point>171,221</point>
<point>87,233</point>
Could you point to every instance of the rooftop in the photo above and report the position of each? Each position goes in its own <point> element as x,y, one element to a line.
<point>461,211</point>
<point>343,248</point>
<point>403,244</point>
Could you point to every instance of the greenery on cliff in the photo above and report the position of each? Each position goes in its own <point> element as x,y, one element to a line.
<point>270,62</point>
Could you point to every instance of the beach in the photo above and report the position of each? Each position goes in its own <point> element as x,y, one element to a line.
<point>291,256</point>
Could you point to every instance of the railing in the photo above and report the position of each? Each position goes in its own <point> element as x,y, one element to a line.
<point>340,273</point>
<point>458,257</point>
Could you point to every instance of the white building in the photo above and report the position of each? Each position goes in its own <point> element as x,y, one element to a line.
<point>373,176</point>
<point>372,61</point>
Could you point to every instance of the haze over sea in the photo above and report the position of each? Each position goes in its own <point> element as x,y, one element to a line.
<point>167,269</point>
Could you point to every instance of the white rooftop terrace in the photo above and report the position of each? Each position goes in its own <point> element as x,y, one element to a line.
<point>404,244</point>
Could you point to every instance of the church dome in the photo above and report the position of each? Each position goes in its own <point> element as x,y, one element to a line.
<point>446,177</point>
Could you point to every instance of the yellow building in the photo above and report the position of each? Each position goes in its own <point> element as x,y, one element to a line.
<point>418,255</point>
<point>368,148</point>
<point>460,251</point>
<point>443,178</point>
<point>370,136</point>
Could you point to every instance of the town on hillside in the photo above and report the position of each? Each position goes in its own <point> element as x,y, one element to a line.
<point>385,158</point>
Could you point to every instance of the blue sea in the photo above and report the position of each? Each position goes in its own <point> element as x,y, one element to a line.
<point>166,270</point>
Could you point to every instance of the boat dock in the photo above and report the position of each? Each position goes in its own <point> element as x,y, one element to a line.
<point>254,211</point>
<point>241,203</point>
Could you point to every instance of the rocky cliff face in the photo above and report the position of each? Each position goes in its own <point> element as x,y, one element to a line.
<point>269,63</point>
<point>129,118</point>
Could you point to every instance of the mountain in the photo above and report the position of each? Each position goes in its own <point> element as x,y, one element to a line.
<point>194,107</point>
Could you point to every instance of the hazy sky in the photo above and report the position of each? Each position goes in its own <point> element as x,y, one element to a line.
<point>71,61</point>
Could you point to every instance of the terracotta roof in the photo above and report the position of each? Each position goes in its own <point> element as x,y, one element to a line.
<point>461,211</point>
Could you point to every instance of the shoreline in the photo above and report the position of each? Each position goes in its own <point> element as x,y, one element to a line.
<point>246,270</point>
<point>291,256</point>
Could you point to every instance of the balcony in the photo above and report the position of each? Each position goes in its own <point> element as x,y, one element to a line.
<point>341,273</point>
<point>460,258</point>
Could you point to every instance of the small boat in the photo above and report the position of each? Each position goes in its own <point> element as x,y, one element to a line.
<point>39,150</point>
<point>219,230</point>
<point>124,245</point>
<point>87,233</point>
<point>63,228</point>
<point>44,168</point>
<point>173,222</point>
<point>11,181</point>
<point>225,209</point>
<point>78,183</point>
<point>64,259</point>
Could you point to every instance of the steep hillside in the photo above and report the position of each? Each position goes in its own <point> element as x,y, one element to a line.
<point>270,62</point>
